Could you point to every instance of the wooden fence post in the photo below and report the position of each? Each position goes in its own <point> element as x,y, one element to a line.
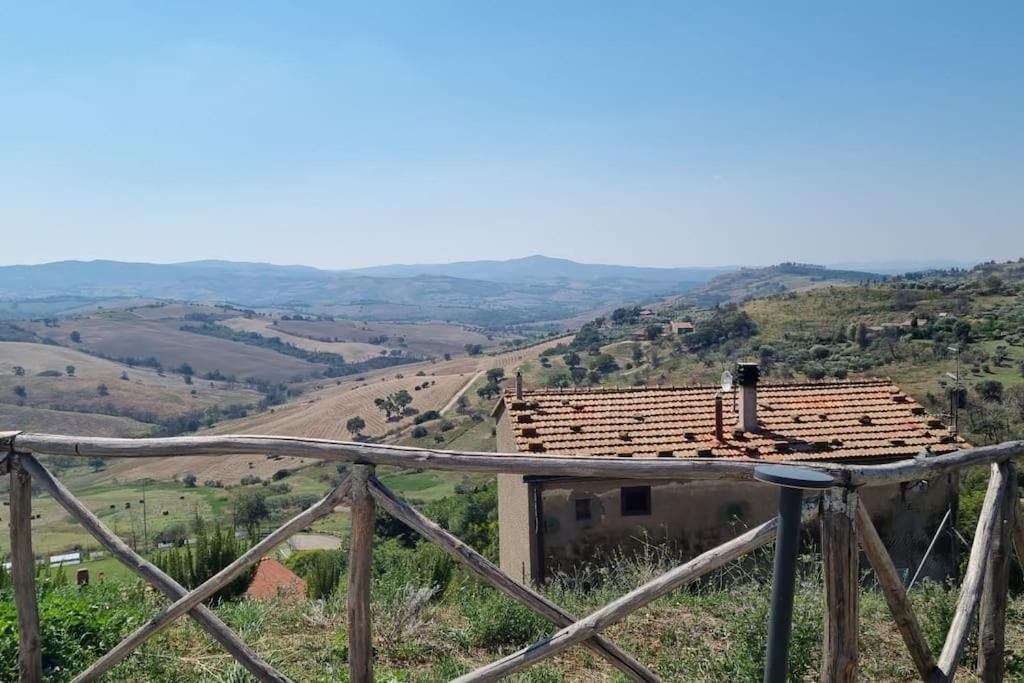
<point>992,612</point>
<point>23,575</point>
<point>360,641</point>
<point>840,557</point>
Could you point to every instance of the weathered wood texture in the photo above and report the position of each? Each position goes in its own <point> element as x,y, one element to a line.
<point>184,604</point>
<point>493,575</point>
<point>23,575</point>
<point>895,595</point>
<point>619,609</point>
<point>515,463</point>
<point>360,569</point>
<point>970,588</point>
<point>151,573</point>
<point>401,456</point>
<point>839,559</point>
<point>1017,531</point>
<point>932,466</point>
<point>996,586</point>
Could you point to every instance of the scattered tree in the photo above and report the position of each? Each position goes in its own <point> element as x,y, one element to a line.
<point>251,509</point>
<point>189,480</point>
<point>19,371</point>
<point>355,426</point>
<point>102,390</point>
<point>76,336</point>
<point>70,370</point>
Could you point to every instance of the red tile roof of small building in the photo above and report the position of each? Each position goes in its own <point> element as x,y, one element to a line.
<point>274,580</point>
<point>869,418</point>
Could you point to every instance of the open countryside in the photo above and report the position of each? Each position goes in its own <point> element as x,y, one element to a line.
<point>476,342</point>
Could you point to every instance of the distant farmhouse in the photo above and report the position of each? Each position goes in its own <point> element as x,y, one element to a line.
<point>680,327</point>
<point>547,524</point>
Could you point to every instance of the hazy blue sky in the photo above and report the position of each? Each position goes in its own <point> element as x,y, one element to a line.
<point>627,132</point>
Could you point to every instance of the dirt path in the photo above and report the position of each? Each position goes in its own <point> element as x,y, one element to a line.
<point>465,387</point>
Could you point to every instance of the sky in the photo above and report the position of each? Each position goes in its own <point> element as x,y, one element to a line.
<point>669,134</point>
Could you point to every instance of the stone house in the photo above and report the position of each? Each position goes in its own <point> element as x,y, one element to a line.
<point>681,327</point>
<point>550,524</point>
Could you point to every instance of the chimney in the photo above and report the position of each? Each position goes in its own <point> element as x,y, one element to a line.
<point>747,419</point>
<point>719,429</point>
<point>519,386</point>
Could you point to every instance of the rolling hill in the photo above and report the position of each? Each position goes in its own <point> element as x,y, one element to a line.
<point>753,283</point>
<point>492,293</point>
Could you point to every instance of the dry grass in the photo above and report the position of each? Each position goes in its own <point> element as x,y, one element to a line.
<point>124,334</point>
<point>129,390</point>
<point>353,352</point>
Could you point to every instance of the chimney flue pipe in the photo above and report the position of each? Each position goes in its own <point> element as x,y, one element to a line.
<point>719,428</point>
<point>519,386</point>
<point>748,376</point>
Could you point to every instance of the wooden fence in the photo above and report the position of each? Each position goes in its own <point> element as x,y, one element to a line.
<point>845,525</point>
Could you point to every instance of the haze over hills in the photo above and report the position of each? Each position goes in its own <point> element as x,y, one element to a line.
<point>751,283</point>
<point>544,268</point>
<point>484,292</point>
<point>526,290</point>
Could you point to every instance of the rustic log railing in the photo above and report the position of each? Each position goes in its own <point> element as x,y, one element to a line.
<point>845,525</point>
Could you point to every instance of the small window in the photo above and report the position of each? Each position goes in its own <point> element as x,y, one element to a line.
<point>636,501</point>
<point>582,509</point>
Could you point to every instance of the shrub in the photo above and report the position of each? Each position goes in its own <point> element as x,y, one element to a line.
<point>72,629</point>
<point>426,416</point>
<point>281,474</point>
<point>814,371</point>
<point>213,549</point>
<point>250,479</point>
<point>990,390</point>
<point>820,352</point>
<point>419,432</point>
<point>324,574</point>
<point>498,623</point>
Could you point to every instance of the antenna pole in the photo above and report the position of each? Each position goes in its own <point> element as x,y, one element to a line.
<point>145,526</point>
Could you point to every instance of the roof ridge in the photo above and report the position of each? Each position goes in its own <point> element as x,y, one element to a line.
<point>865,381</point>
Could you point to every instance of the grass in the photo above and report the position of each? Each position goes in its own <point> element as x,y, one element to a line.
<point>712,631</point>
<point>118,506</point>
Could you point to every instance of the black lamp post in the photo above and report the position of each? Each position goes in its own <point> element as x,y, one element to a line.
<point>792,482</point>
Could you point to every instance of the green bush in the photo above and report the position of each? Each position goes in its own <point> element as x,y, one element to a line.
<point>77,625</point>
<point>324,577</point>
<point>497,623</point>
<point>426,416</point>
<point>212,550</point>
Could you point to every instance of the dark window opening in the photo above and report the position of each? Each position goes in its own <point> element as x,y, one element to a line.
<point>636,500</point>
<point>582,509</point>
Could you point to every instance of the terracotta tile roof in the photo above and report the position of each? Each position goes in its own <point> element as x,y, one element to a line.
<point>813,421</point>
<point>274,580</point>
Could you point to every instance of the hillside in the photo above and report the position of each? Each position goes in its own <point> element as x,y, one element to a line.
<point>481,293</point>
<point>539,268</point>
<point>754,283</point>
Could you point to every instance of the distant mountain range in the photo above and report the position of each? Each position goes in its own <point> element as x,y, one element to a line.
<point>535,268</point>
<point>532,290</point>
<point>481,292</point>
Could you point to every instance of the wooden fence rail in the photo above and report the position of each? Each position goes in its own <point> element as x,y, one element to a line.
<point>845,526</point>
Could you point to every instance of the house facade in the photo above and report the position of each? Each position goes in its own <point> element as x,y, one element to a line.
<point>551,524</point>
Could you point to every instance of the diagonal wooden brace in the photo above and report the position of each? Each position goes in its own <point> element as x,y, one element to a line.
<point>151,573</point>
<point>225,576</point>
<point>494,576</point>
<point>640,597</point>
<point>895,595</point>
<point>971,586</point>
